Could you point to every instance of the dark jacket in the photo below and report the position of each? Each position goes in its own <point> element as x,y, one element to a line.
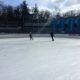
<point>52,34</point>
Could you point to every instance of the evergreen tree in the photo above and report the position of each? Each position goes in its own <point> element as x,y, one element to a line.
<point>10,13</point>
<point>4,14</point>
<point>17,13</point>
<point>35,12</point>
<point>24,11</point>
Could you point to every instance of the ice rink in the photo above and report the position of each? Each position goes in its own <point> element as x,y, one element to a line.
<point>40,59</point>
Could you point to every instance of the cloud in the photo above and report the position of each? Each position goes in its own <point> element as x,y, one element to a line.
<point>54,4</point>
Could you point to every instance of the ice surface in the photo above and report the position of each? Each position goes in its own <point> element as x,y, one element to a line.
<point>40,59</point>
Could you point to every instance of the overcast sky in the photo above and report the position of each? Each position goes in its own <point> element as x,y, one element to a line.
<point>46,4</point>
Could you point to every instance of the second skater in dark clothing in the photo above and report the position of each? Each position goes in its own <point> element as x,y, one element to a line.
<point>52,36</point>
<point>30,35</point>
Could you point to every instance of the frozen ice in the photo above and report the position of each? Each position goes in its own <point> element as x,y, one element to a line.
<point>40,59</point>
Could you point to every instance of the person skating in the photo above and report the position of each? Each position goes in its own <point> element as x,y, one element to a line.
<point>30,35</point>
<point>52,36</point>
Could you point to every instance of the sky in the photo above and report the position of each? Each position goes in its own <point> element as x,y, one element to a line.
<point>48,4</point>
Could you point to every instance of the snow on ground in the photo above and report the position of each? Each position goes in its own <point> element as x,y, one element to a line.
<point>40,59</point>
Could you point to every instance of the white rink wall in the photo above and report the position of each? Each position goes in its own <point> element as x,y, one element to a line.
<point>38,35</point>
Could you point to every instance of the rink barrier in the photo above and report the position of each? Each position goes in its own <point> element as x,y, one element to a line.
<point>37,35</point>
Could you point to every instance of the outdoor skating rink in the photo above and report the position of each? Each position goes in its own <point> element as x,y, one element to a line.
<point>39,59</point>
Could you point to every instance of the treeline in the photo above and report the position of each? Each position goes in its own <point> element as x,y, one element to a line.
<point>17,16</point>
<point>23,13</point>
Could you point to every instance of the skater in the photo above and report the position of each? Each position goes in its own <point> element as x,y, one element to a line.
<point>30,35</point>
<point>52,36</point>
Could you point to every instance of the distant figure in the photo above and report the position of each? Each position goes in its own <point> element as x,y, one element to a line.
<point>52,36</point>
<point>30,35</point>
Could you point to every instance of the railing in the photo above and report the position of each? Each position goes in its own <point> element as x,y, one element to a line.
<point>34,24</point>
